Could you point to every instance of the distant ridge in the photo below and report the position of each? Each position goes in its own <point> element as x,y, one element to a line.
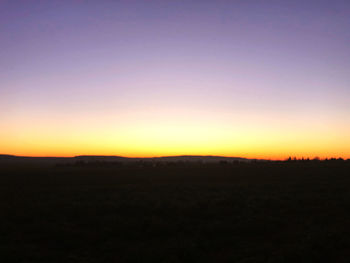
<point>185,158</point>
<point>111,158</point>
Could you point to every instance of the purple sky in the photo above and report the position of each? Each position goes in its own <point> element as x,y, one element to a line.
<point>285,59</point>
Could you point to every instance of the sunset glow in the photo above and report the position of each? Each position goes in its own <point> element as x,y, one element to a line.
<point>157,78</point>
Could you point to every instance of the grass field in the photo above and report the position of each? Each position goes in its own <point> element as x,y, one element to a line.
<point>240,212</point>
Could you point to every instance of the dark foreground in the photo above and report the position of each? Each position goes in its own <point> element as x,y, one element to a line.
<point>257,212</point>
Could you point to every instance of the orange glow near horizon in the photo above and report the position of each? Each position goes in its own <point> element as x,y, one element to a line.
<point>157,78</point>
<point>151,134</point>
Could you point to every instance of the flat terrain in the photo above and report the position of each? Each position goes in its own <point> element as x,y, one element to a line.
<point>180,212</point>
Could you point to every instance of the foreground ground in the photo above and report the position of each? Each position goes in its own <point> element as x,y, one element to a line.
<point>259,212</point>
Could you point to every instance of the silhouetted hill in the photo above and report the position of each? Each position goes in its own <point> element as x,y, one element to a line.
<point>28,159</point>
<point>99,158</point>
<point>6,156</point>
<point>199,158</point>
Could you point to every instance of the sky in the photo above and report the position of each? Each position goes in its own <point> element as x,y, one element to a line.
<point>248,78</point>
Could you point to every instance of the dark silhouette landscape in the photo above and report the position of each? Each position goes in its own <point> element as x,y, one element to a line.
<point>173,209</point>
<point>178,118</point>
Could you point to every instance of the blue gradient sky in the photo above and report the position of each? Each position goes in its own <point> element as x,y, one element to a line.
<point>81,77</point>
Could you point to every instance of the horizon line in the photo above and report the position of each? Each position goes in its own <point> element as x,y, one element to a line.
<point>184,155</point>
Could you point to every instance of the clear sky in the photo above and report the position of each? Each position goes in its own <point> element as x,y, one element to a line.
<point>261,79</point>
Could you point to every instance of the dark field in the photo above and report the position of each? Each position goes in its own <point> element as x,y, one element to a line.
<point>240,212</point>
